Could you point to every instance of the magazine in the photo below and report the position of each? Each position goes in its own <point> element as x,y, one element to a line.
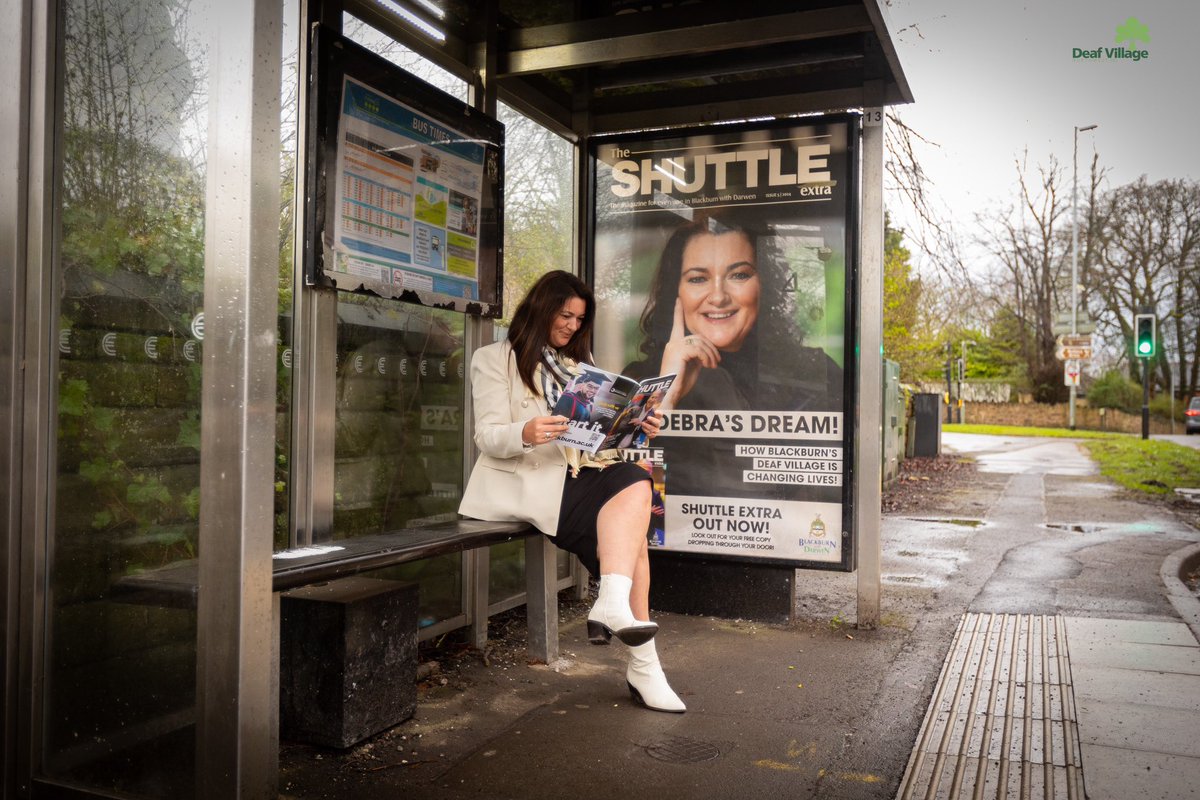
<point>605,410</point>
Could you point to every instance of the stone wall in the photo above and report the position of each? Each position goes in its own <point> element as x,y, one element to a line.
<point>1041,415</point>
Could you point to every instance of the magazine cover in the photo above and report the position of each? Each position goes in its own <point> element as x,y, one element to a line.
<point>606,410</point>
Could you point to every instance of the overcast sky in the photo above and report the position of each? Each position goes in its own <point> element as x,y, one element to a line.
<point>992,79</point>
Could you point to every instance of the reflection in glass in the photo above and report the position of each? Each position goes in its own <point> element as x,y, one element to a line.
<point>119,670</point>
<point>537,238</point>
<point>399,431</point>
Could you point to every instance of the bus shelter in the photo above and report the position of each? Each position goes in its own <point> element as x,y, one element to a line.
<point>189,382</point>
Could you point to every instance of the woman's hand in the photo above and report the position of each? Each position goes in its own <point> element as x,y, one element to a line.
<point>540,430</point>
<point>685,354</point>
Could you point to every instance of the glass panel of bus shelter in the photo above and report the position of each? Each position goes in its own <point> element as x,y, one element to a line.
<point>384,46</point>
<point>119,664</point>
<point>541,235</point>
<point>399,432</point>
<point>538,218</point>
<point>119,672</point>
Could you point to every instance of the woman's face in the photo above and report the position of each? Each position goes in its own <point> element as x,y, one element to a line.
<point>567,321</point>
<point>719,288</point>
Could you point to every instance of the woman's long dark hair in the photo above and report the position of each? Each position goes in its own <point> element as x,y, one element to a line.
<point>530,329</point>
<point>659,315</point>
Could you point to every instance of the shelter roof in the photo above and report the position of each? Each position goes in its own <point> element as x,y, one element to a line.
<point>603,66</point>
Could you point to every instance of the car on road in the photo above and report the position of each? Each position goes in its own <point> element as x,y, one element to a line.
<point>1192,416</point>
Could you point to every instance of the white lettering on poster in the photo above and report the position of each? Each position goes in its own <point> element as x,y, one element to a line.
<point>755,424</point>
<point>787,529</point>
<point>710,171</point>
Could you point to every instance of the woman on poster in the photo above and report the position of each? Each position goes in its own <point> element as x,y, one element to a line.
<point>595,506</point>
<point>718,315</point>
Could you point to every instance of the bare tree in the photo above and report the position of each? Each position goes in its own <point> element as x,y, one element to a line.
<point>1028,244</point>
<point>1146,256</point>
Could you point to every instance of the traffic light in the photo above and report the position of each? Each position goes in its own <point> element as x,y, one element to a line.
<point>1143,335</point>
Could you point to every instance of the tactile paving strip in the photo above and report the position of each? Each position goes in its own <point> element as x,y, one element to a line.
<point>1001,722</point>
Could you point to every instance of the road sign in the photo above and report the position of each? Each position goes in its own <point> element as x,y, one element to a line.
<point>1083,323</point>
<point>1070,373</point>
<point>1076,340</point>
<point>1071,353</point>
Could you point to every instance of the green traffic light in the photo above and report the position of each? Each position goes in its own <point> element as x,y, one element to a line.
<point>1144,348</point>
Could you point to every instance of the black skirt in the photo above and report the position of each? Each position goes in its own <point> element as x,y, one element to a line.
<point>582,499</point>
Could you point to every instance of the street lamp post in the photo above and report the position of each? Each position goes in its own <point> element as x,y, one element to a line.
<point>1075,254</point>
<point>962,377</point>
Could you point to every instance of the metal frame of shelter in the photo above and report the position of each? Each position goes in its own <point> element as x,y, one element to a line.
<point>578,68</point>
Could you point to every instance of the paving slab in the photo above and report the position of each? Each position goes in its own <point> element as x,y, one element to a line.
<point>1161,689</point>
<point>1112,773</point>
<point>1089,630</point>
<point>1143,657</point>
<point>1139,727</point>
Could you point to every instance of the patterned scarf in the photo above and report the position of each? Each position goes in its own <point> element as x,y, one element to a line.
<point>557,374</point>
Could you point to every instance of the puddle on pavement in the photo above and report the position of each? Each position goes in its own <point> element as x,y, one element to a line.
<point>1076,527</point>
<point>1092,489</point>
<point>905,579</point>
<point>967,523</point>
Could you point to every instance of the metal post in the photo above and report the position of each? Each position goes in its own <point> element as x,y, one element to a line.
<point>1074,256</point>
<point>961,367</point>
<point>26,58</point>
<point>1145,398</point>
<point>236,695</point>
<point>541,598</point>
<point>479,332</point>
<point>868,456</point>
<point>1171,383</point>
<point>962,378</point>
<point>949,387</point>
<point>314,348</point>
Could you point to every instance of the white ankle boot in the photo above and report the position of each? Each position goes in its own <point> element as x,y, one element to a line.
<point>647,682</point>
<point>612,616</point>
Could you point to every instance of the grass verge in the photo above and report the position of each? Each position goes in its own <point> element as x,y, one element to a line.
<point>1014,430</point>
<point>1145,465</point>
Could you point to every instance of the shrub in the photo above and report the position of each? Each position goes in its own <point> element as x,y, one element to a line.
<point>1114,390</point>
<point>1160,406</point>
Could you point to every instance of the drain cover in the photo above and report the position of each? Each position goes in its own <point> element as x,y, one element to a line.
<point>681,750</point>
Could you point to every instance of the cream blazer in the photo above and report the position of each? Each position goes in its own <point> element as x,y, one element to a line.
<point>510,482</point>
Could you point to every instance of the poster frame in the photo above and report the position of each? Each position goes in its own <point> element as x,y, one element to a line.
<point>332,59</point>
<point>850,307</point>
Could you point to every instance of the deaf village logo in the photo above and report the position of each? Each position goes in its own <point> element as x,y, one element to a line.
<point>1129,34</point>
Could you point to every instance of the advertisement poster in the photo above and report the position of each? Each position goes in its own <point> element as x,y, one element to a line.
<point>408,197</point>
<point>724,254</point>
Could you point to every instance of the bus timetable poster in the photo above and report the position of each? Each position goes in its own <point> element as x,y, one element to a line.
<point>408,197</point>
<point>407,185</point>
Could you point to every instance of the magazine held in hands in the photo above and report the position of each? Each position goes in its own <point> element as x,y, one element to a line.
<point>605,410</point>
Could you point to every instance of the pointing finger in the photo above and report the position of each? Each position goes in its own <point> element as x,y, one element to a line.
<point>677,328</point>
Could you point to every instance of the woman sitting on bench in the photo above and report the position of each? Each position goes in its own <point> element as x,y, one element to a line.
<point>595,506</point>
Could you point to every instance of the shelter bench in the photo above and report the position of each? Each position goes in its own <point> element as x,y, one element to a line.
<point>341,683</point>
<point>176,585</point>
